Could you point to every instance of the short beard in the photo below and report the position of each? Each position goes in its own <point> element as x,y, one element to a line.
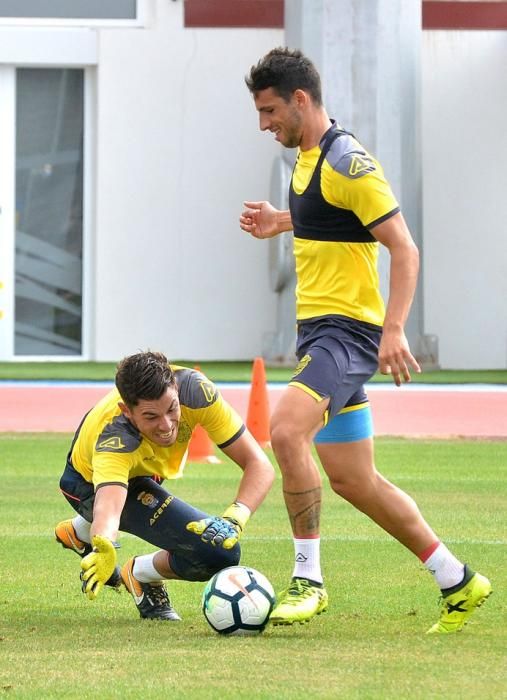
<point>292,142</point>
<point>294,134</point>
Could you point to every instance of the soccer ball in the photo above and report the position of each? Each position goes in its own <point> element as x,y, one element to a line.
<point>238,600</point>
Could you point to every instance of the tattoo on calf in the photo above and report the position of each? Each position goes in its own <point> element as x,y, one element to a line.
<point>303,508</point>
<point>316,490</point>
<point>306,521</point>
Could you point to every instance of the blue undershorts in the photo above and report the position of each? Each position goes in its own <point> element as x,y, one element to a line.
<point>349,426</point>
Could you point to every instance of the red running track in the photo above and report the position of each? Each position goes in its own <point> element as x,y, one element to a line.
<point>412,411</point>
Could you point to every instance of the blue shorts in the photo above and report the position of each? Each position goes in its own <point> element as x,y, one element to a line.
<point>337,356</point>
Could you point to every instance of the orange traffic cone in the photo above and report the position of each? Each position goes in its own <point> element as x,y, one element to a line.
<point>257,420</point>
<point>200,448</point>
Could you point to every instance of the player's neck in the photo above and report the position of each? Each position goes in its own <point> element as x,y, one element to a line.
<point>317,125</point>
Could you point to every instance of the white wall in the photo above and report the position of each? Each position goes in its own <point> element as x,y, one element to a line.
<point>178,151</point>
<point>465,196</point>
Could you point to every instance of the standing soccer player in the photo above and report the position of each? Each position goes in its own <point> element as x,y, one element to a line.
<point>340,209</point>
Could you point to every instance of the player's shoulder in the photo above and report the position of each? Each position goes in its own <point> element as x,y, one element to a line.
<point>195,390</point>
<point>347,157</point>
<point>119,435</point>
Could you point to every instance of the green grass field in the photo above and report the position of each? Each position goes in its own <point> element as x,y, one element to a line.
<point>370,645</point>
<point>220,372</point>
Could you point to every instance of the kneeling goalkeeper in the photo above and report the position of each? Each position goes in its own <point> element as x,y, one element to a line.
<point>133,439</point>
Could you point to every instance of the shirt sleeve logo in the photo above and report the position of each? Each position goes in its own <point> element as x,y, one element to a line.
<point>112,443</point>
<point>209,391</point>
<point>359,165</point>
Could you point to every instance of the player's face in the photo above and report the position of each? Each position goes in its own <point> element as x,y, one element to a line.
<point>158,419</point>
<point>283,119</point>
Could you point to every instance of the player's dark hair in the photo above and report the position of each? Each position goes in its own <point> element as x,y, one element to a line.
<point>285,71</point>
<point>146,375</point>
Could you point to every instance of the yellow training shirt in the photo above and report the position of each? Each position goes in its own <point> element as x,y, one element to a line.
<point>338,193</point>
<point>107,448</point>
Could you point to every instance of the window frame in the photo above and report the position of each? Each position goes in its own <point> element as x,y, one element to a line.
<point>7,217</point>
<point>141,20</point>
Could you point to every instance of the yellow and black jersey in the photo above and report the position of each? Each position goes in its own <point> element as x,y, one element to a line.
<point>107,448</point>
<point>338,193</point>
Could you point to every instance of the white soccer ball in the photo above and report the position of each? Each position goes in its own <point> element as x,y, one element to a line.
<point>238,600</point>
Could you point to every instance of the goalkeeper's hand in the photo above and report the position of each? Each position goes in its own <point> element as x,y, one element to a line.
<point>222,531</point>
<point>216,531</point>
<point>97,566</point>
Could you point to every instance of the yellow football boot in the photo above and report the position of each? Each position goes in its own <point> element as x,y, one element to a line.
<point>459,602</point>
<point>301,601</point>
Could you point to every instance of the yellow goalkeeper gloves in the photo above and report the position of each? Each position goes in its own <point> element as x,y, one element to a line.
<point>97,566</point>
<point>222,531</point>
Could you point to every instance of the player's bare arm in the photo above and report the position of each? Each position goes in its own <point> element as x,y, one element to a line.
<point>98,566</point>
<point>395,357</point>
<point>263,220</point>
<point>107,509</point>
<point>258,473</point>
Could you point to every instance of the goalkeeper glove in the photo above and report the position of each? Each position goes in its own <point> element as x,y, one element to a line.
<point>97,566</point>
<point>222,531</point>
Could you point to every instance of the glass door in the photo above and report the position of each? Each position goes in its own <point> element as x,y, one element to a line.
<point>7,217</point>
<point>46,265</point>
